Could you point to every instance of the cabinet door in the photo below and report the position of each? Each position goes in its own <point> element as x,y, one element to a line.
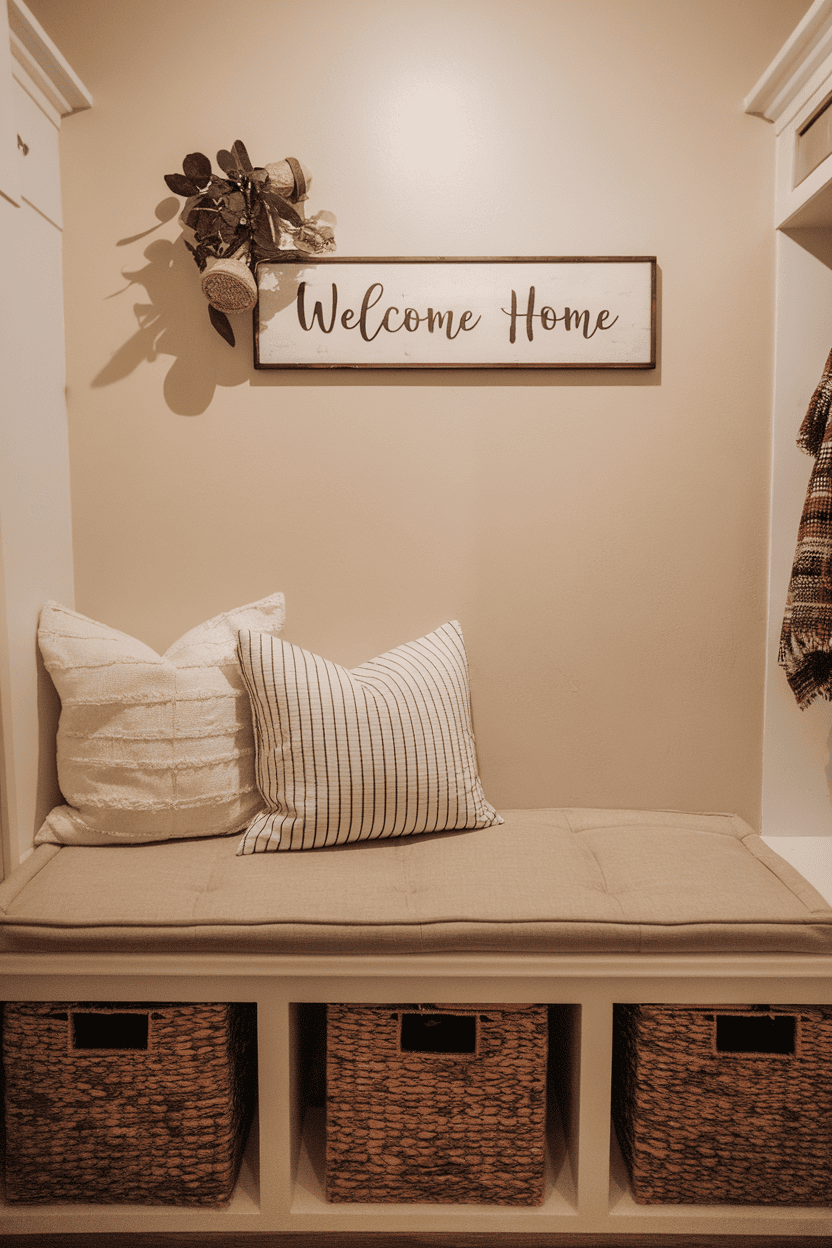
<point>38,156</point>
<point>37,88</point>
<point>9,172</point>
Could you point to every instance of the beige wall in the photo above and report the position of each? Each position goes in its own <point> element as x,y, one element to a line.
<point>602,537</point>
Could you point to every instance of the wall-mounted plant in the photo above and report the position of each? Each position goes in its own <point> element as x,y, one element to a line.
<point>240,216</point>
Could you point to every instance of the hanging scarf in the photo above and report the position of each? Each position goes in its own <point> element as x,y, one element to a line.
<point>806,636</point>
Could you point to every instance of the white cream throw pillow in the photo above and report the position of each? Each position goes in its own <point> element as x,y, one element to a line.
<point>151,747</point>
<point>384,750</point>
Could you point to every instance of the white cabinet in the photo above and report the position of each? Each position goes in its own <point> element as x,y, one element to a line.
<point>37,89</point>
<point>9,164</point>
<point>793,94</point>
<point>797,790</point>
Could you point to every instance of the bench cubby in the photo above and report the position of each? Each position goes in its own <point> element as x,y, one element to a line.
<point>281,1182</point>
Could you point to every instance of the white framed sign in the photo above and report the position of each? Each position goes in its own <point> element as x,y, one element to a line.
<point>512,312</point>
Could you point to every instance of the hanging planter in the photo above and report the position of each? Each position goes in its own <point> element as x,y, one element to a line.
<point>229,285</point>
<point>241,216</point>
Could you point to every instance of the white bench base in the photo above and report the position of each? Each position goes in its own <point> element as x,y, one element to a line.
<point>280,1188</point>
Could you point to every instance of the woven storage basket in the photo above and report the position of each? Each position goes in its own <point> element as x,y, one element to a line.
<point>126,1103</point>
<point>725,1104</point>
<point>436,1103</point>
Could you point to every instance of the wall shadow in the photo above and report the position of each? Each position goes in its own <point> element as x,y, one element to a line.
<point>47,790</point>
<point>172,320</point>
<point>818,242</point>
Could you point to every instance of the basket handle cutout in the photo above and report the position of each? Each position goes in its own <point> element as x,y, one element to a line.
<point>438,1033</point>
<point>105,1030</point>
<point>756,1033</point>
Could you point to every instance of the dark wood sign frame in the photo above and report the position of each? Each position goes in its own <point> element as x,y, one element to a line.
<point>472,312</point>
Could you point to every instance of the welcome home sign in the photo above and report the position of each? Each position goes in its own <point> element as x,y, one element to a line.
<point>535,312</point>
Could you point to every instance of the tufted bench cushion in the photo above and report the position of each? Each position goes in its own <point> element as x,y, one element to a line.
<point>543,882</point>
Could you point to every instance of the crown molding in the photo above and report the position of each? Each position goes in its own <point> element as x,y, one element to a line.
<point>799,60</point>
<point>35,52</point>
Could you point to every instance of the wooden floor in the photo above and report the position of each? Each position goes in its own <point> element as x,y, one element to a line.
<point>221,1239</point>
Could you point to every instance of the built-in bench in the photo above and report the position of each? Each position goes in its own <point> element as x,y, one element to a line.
<point>578,909</point>
<point>544,882</point>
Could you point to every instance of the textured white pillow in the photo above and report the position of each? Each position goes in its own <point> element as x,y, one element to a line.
<point>386,749</point>
<point>151,747</point>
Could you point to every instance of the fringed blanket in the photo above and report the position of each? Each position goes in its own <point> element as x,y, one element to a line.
<point>806,636</point>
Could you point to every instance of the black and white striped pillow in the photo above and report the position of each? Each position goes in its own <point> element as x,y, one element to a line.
<point>384,750</point>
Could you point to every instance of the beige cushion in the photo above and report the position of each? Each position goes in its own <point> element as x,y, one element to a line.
<point>545,882</point>
<point>151,747</point>
<point>385,750</point>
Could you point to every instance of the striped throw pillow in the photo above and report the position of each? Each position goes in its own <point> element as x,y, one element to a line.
<point>384,750</point>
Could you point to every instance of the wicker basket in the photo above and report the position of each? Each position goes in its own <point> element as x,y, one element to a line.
<point>126,1103</point>
<point>724,1104</point>
<point>436,1103</point>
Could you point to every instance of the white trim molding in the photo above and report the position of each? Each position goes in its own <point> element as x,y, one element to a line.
<point>801,57</point>
<point>35,52</point>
